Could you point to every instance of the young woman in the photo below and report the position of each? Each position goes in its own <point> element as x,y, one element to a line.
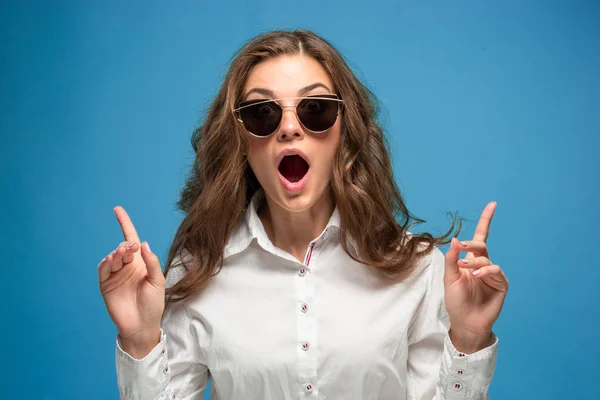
<point>293,274</point>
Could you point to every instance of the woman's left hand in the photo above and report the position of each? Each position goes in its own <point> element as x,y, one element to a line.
<point>475,289</point>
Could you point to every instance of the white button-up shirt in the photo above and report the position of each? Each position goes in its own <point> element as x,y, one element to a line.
<point>271,328</point>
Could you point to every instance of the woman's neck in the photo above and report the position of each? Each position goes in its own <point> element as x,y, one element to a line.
<point>293,231</point>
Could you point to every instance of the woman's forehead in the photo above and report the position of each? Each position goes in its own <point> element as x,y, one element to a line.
<point>285,76</point>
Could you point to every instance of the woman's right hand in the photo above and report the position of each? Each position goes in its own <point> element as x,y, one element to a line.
<point>133,288</point>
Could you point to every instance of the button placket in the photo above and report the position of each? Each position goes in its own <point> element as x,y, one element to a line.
<point>307,346</point>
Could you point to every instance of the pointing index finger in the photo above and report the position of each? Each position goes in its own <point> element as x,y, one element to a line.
<point>483,226</point>
<point>129,232</point>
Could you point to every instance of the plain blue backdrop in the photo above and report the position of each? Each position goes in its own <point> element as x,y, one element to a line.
<point>482,102</point>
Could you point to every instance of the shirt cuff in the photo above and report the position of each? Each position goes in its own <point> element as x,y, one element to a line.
<point>145,378</point>
<point>482,354</point>
<point>467,376</point>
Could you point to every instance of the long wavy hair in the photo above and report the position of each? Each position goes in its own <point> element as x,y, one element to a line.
<point>221,183</point>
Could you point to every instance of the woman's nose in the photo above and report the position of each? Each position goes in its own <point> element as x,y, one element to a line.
<point>290,126</point>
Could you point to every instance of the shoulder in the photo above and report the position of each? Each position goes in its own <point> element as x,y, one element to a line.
<point>435,262</point>
<point>432,262</point>
<point>433,277</point>
<point>179,267</point>
<point>429,269</point>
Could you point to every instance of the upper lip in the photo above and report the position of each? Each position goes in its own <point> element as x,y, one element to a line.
<point>291,152</point>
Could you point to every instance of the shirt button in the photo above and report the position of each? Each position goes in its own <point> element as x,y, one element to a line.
<point>305,346</point>
<point>302,272</point>
<point>308,388</point>
<point>460,372</point>
<point>458,386</point>
<point>304,308</point>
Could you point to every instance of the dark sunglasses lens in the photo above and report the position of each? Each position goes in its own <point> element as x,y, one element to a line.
<point>261,119</point>
<point>318,114</point>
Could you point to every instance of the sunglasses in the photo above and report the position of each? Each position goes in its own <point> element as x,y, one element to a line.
<point>316,113</point>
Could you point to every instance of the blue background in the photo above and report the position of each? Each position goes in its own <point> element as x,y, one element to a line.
<point>482,102</point>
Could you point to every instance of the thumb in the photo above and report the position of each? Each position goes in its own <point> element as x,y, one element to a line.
<point>452,255</point>
<point>155,274</point>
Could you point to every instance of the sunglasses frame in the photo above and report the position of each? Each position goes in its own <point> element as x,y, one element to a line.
<point>316,96</point>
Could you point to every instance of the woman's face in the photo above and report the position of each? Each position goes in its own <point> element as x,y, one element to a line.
<point>289,183</point>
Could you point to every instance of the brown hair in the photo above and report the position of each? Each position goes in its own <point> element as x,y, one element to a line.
<point>221,183</point>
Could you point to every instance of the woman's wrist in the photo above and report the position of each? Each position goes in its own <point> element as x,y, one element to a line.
<point>469,343</point>
<point>140,345</point>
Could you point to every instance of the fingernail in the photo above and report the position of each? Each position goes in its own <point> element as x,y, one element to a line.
<point>464,261</point>
<point>476,272</point>
<point>464,244</point>
<point>147,247</point>
<point>130,245</point>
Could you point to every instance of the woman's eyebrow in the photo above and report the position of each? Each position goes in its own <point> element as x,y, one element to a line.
<point>301,92</point>
<point>266,92</point>
<point>308,88</point>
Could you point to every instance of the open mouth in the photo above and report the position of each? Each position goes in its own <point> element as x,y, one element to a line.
<point>293,168</point>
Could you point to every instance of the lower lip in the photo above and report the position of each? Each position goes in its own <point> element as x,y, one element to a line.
<point>294,186</point>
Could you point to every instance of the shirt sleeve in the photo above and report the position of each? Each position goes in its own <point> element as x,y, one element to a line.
<point>436,370</point>
<point>172,370</point>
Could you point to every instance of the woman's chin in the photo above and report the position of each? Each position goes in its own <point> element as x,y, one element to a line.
<point>299,201</point>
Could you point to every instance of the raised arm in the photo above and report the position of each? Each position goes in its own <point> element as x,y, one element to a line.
<point>156,355</point>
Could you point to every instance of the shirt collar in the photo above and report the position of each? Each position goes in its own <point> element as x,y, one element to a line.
<point>251,228</point>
